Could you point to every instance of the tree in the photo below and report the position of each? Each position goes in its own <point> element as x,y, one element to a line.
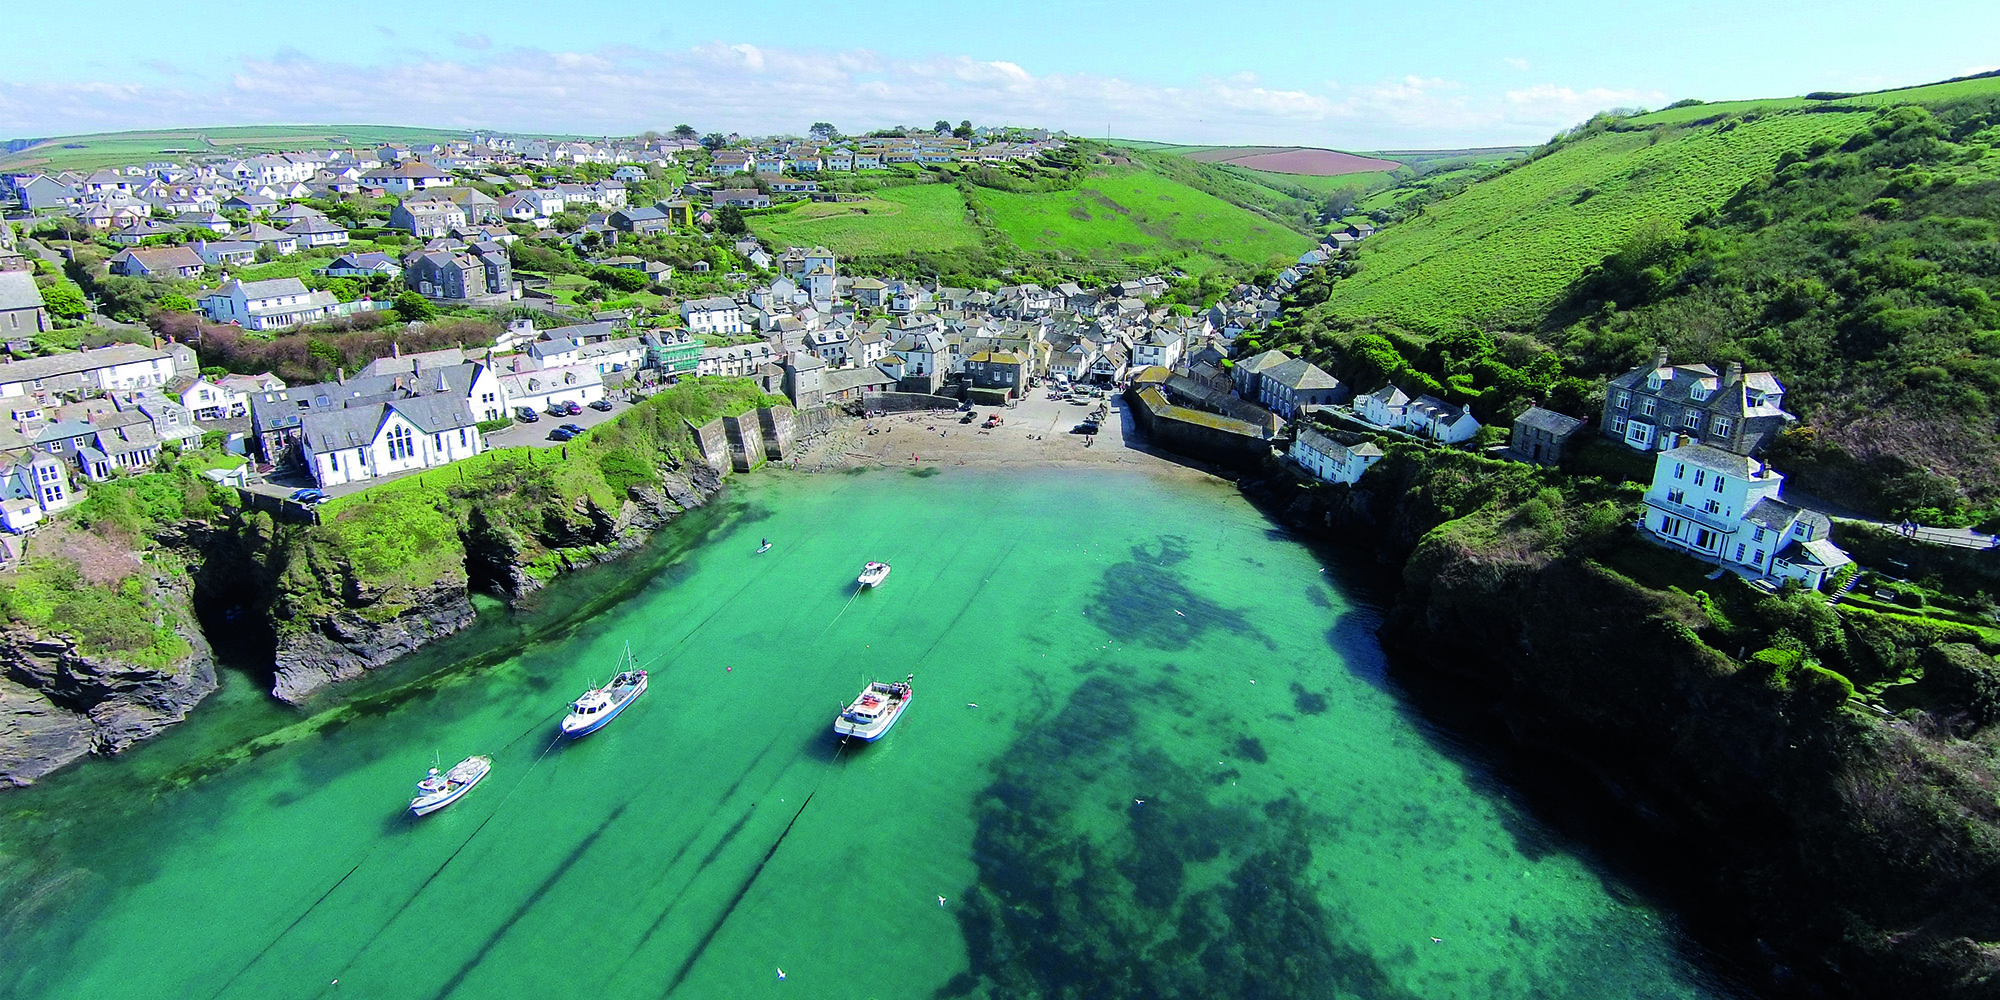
<point>175,302</point>
<point>822,131</point>
<point>414,308</point>
<point>567,221</point>
<point>942,127</point>
<point>266,253</point>
<point>964,129</point>
<point>65,299</point>
<point>729,219</point>
<point>713,141</point>
<point>684,132</point>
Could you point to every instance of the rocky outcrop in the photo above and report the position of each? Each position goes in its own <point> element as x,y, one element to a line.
<point>365,633</point>
<point>59,702</point>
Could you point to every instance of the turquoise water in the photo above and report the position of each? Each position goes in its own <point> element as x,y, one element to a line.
<point>1184,776</point>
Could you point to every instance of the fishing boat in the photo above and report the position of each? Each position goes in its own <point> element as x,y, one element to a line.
<point>878,708</point>
<point>598,706</point>
<point>873,574</point>
<point>437,790</point>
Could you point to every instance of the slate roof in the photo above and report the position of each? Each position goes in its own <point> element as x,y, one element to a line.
<point>1717,460</point>
<point>73,362</point>
<point>1300,375</point>
<point>1549,422</point>
<point>18,291</point>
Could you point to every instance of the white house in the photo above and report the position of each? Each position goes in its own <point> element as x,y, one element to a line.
<point>537,388</point>
<point>1725,508</point>
<point>32,489</point>
<point>713,315</point>
<point>1385,407</point>
<point>735,362</point>
<point>367,442</point>
<point>209,401</point>
<point>1431,417</point>
<point>1157,347</point>
<point>267,305</point>
<point>91,373</point>
<point>1331,461</point>
<point>406,176</point>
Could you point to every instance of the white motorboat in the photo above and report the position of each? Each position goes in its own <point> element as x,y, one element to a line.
<point>873,574</point>
<point>877,709</point>
<point>437,790</point>
<point>598,706</point>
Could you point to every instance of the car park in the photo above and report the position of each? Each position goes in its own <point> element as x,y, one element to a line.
<point>570,408</point>
<point>557,410</point>
<point>561,434</point>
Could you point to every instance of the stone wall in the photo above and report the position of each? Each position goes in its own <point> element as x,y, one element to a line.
<point>1205,436</point>
<point>904,402</point>
<point>713,441</point>
<point>780,426</point>
<point>746,441</point>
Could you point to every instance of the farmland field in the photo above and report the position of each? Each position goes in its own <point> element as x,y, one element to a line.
<point>1516,241</point>
<point>892,220</point>
<point>113,148</point>
<point>1295,160</point>
<point>1130,212</point>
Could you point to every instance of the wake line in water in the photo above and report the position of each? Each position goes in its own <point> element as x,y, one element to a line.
<point>742,891</point>
<point>273,943</point>
<point>575,855</point>
<point>439,870</point>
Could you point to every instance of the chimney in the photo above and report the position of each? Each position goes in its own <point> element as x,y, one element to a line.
<point>396,350</point>
<point>1733,373</point>
<point>340,376</point>
<point>1660,357</point>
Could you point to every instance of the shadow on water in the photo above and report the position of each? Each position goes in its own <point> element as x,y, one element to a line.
<point>1543,802</point>
<point>1145,599</point>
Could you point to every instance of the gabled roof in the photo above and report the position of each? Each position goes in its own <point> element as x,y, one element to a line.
<point>18,291</point>
<point>1548,421</point>
<point>1300,375</point>
<point>1267,360</point>
<point>1716,460</point>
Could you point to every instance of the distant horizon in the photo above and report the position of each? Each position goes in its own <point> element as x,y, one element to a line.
<point>1464,74</point>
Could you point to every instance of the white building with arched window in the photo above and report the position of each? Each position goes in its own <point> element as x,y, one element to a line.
<point>370,441</point>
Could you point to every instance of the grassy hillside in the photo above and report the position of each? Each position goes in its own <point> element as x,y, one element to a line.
<point>1133,212</point>
<point>1848,251</point>
<point>889,221</point>
<point>1509,246</point>
<point>1934,93</point>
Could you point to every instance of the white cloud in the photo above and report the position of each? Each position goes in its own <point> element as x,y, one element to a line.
<point>1516,62</point>
<point>753,89</point>
<point>477,43</point>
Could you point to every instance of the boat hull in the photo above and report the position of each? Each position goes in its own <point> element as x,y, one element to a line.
<point>869,734</point>
<point>603,718</point>
<point>425,806</point>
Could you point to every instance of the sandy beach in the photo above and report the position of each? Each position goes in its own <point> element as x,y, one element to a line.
<point>1036,431</point>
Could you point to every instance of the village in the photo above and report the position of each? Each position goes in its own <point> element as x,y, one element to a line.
<point>788,318</point>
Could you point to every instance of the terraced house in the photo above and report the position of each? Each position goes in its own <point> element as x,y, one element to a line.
<point>1649,408</point>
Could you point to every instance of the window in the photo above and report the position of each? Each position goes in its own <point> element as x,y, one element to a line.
<point>1722,427</point>
<point>1676,496</point>
<point>1700,476</point>
<point>1739,551</point>
<point>400,444</point>
<point>333,460</point>
<point>1803,530</point>
<point>1680,470</point>
<point>1758,558</point>
<point>1703,538</point>
<point>1623,399</point>
<point>437,442</point>
<point>1698,394</point>
<point>462,442</point>
<point>1653,381</point>
<point>1691,420</point>
<point>1647,405</point>
<point>1711,507</point>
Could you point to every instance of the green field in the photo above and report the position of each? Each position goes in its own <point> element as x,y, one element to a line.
<point>1931,93</point>
<point>1515,242</point>
<point>1129,212</point>
<point>1310,182</point>
<point>893,220</point>
<point>106,149</point>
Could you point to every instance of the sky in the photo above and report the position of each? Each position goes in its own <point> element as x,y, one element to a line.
<point>1357,76</point>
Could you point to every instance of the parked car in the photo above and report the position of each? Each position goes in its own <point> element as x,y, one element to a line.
<point>561,434</point>
<point>570,409</point>
<point>601,405</point>
<point>574,429</point>
<point>558,410</point>
<point>526,414</point>
<point>308,497</point>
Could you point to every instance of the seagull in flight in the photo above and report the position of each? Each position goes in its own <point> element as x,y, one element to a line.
<point>1138,802</point>
<point>940,900</point>
<point>781,975</point>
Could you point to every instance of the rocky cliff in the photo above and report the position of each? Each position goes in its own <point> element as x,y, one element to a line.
<point>60,701</point>
<point>1831,850</point>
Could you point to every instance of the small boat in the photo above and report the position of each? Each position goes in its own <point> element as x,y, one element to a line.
<point>598,706</point>
<point>873,574</point>
<point>766,547</point>
<point>436,790</point>
<point>878,708</point>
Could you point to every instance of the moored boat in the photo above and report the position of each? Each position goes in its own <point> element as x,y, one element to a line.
<point>437,790</point>
<point>879,706</point>
<point>598,706</point>
<point>873,574</point>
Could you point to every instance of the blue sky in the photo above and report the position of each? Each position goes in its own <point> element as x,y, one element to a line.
<point>1354,76</point>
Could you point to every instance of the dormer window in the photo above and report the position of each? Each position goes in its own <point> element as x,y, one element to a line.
<point>1653,381</point>
<point>1698,394</point>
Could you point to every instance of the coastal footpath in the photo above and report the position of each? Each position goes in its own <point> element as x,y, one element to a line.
<point>114,612</point>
